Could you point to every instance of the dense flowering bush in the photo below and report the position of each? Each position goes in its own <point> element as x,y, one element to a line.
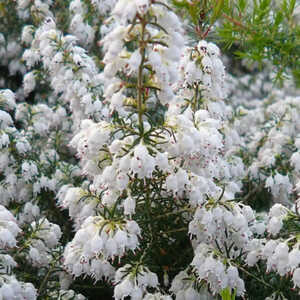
<point>133,167</point>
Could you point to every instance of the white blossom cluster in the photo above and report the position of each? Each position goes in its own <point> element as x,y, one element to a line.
<point>66,295</point>
<point>273,143</point>
<point>25,159</point>
<point>12,41</point>
<point>189,157</point>
<point>183,287</point>
<point>46,237</point>
<point>78,27</point>
<point>271,134</point>
<point>10,287</point>
<point>10,52</point>
<point>33,136</point>
<point>89,147</point>
<point>209,72</point>
<point>73,74</point>
<point>98,241</point>
<point>86,19</point>
<point>247,89</point>
<point>133,281</point>
<point>26,7</point>
<point>226,229</point>
<point>9,228</point>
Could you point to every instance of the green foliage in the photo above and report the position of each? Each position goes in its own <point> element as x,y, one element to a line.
<point>202,14</point>
<point>227,295</point>
<point>259,30</point>
<point>264,31</point>
<point>270,284</point>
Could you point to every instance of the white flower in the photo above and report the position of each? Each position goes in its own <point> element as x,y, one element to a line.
<point>171,183</point>
<point>191,294</point>
<point>142,163</point>
<point>27,34</point>
<point>7,263</point>
<point>117,101</point>
<point>29,291</point>
<point>142,6</point>
<point>123,289</point>
<point>259,228</point>
<point>281,251</point>
<point>5,119</point>
<point>34,255</point>
<point>129,206</point>
<point>248,212</point>
<point>8,228</point>
<point>182,179</point>
<point>274,225</point>
<point>233,276</point>
<point>295,160</point>
<point>29,170</point>
<point>125,10</point>
<point>296,277</point>
<point>269,248</point>
<point>8,97</point>
<point>252,258</point>
<point>294,258</point>
<point>156,296</point>
<point>23,146</point>
<point>134,62</point>
<point>122,181</point>
<point>6,291</point>
<point>133,286</point>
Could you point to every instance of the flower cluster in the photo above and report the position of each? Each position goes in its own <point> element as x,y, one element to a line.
<point>133,282</point>
<point>122,124</point>
<point>98,241</point>
<point>9,228</point>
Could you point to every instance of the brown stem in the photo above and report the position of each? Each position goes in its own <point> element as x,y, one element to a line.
<point>237,23</point>
<point>195,102</point>
<point>140,76</point>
